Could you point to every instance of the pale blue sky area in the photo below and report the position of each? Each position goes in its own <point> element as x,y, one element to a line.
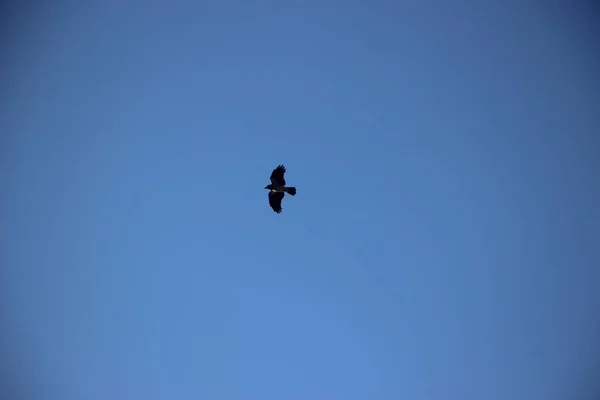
<point>443,244</point>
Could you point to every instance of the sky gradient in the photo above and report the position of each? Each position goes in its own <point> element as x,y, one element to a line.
<point>443,244</point>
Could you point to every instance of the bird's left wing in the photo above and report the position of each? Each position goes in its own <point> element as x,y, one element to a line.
<point>277,176</point>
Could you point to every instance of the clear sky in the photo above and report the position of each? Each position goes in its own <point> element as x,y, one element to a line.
<point>443,243</point>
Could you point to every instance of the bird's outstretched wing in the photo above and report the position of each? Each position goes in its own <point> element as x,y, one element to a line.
<point>275,201</point>
<point>277,176</point>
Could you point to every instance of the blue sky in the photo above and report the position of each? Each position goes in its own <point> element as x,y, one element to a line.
<point>443,243</point>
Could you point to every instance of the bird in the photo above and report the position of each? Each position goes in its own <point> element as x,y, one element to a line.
<point>277,188</point>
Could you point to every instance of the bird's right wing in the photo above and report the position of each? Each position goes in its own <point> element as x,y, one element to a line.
<point>277,176</point>
<point>275,201</point>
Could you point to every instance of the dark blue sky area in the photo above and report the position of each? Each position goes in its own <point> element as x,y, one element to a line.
<point>443,244</point>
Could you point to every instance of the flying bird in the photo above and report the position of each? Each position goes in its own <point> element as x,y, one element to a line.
<point>277,189</point>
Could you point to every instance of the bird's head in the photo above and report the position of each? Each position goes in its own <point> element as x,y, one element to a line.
<point>268,187</point>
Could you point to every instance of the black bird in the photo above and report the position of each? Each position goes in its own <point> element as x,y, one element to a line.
<point>277,189</point>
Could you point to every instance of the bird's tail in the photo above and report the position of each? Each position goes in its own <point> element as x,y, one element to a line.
<point>291,190</point>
